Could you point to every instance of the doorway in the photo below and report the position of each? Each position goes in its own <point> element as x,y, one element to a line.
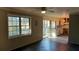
<point>57,30</point>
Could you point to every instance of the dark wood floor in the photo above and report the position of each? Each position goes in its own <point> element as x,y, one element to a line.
<point>50,44</point>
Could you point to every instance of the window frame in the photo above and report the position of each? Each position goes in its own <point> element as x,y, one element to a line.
<point>27,25</point>
<point>30,27</point>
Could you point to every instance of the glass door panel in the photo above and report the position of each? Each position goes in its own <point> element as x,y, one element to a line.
<point>46,26</point>
<point>52,29</point>
<point>49,29</point>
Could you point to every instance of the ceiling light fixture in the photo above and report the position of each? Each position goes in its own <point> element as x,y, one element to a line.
<point>43,10</point>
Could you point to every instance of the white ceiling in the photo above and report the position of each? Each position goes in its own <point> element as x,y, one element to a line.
<point>51,11</point>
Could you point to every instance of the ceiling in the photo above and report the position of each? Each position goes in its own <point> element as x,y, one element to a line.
<point>51,11</point>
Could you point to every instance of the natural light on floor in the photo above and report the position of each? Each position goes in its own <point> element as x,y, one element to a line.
<point>54,35</point>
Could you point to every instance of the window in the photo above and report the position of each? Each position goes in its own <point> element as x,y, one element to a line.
<point>25,25</point>
<point>13,26</point>
<point>18,25</point>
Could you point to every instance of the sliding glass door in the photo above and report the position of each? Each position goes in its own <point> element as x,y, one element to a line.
<point>46,28</point>
<point>49,29</point>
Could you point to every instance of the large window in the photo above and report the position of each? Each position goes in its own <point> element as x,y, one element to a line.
<point>25,25</point>
<point>13,26</point>
<point>18,25</point>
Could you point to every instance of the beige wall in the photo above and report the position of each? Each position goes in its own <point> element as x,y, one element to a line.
<point>9,44</point>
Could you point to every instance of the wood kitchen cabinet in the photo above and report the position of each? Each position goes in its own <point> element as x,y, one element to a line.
<point>63,26</point>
